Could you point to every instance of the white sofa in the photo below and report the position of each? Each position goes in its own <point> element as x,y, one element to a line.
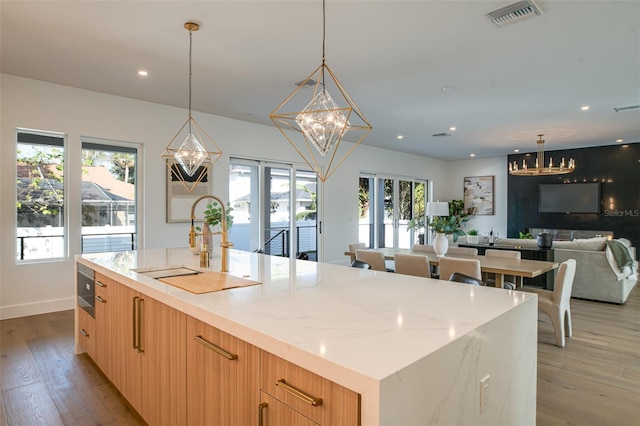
<point>595,278</point>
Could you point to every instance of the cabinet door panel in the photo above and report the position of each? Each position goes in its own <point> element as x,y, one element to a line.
<point>86,332</point>
<point>163,364</point>
<point>219,390</point>
<point>275,413</point>
<point>104,319</point>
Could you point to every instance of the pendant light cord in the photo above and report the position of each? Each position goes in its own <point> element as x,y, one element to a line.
<point>190,43</point>
<point>324,30</point>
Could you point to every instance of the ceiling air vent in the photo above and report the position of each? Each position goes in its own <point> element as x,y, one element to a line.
<point>438,135</point>
<point>626,108</point>
<point>514,13</point>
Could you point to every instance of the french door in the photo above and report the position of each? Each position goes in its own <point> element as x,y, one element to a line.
<point>275,208</point>
<point>387,203</point>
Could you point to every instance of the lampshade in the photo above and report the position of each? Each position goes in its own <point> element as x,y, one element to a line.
<point>191,153</point>
<point>316,125</point>
<point>437,208</point>
<point>540,169</point>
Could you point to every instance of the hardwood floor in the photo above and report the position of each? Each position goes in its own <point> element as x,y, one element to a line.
<point>594,380</point>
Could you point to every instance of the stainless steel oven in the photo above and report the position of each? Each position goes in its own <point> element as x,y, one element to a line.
<point>85,284</point>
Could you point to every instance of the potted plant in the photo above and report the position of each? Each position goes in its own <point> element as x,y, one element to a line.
<point>472,236</point>
<point>451,224</point>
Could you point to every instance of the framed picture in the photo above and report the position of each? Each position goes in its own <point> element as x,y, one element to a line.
<point>478,195</point>
<point>179,196</point>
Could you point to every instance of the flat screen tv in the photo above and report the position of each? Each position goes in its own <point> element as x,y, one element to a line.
<point>570,198</point>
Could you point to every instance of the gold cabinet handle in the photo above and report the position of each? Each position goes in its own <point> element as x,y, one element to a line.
<point>140,313</point>
<point>100,299</point>
<point>299,394</point>
<point>261,408</point>
<point>215,348</point>
<point>99,284</point>
<point>84,333</point>
<point>134,322</point>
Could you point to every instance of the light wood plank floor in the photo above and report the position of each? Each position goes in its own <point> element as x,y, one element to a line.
<point>594,380</point>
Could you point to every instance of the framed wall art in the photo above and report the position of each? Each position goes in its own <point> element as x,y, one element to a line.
<point>478,195</point>
<point>181,195</point>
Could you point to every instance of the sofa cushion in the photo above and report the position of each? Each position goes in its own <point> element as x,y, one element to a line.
<point>595,244</point>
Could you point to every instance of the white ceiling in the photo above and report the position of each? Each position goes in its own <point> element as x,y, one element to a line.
<point>393,57</point>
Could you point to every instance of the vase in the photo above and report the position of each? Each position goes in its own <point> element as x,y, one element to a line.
<point>545,240</point>
<point>473,239</point>
<point>440,244</point>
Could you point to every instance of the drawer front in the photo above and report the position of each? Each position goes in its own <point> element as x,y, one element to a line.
<point>317,398</point>
<point>86,332</point>
<point>274,413</point>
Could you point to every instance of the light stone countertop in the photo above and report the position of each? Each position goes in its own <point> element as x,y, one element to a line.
<point>355,327</point>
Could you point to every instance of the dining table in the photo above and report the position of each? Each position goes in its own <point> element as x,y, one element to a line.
<point>500,266</point>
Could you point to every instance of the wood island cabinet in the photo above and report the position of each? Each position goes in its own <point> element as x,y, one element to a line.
<point>175,369</point>
<point>222,377</point>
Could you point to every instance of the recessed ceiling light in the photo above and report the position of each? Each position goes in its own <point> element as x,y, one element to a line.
<point>143,73</point>
<point>619,140</point>
<point>448,87</point>
<point>472,155</point>
<point>399,137</point>
<point>625,146</point>
<point>453,129</point>
<point>585,108</point>
<point>516,150</point>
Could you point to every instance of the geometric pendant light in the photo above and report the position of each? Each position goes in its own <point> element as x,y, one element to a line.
<point>191,160</point>
<point>316,124</point>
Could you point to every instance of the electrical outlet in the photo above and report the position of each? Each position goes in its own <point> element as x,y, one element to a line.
<point>484,393</point>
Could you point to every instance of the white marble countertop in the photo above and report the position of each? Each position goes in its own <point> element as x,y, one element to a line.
<point>352,326</point>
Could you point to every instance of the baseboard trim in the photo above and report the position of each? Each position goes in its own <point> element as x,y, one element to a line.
<point>43,307</point>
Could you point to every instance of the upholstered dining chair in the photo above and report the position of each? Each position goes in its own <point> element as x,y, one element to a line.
<point>373,258</point>
<point>412,264</point>
<point>449,265</point>
<point>465,251</point>
<point>423,247</point>
<point>556,303</point>
<point>466,279</point>
<point>352,249</point>
<point>510,281</point>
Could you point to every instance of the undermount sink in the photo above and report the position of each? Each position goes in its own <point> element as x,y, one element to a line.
<point>167,271</point>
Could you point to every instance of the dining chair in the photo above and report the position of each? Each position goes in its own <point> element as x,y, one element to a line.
<point>556,303</point>
<point>423,247</point>
<point>465,279</point>
<point>352,249</point>
<point>510,281</point>
<point>373,258</point>
<point>449,265</point>
<point>359,264</point>
<point>465,251</point>
<point>412,264</point>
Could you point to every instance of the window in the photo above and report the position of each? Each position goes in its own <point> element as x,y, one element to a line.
<point>108,197</point>
<point>40,200</point>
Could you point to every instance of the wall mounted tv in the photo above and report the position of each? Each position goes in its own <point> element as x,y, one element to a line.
<point>569,198</point>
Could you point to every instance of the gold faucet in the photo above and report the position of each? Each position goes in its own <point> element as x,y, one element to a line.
<point>224,243</point>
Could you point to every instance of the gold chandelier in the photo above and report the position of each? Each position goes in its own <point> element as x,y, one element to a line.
<point>540,169</point>
<point>190,162</point>
<point>319,125</point>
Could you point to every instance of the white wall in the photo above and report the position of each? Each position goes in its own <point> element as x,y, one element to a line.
<point>28,289</point>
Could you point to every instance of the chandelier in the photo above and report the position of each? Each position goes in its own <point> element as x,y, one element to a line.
<point>540,169</point>
<point>316,128</point>
<point>191,161</point>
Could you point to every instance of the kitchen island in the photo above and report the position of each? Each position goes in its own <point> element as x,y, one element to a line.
<point>414,350</point>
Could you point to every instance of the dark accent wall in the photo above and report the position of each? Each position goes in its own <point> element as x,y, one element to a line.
<point>617,167</point>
